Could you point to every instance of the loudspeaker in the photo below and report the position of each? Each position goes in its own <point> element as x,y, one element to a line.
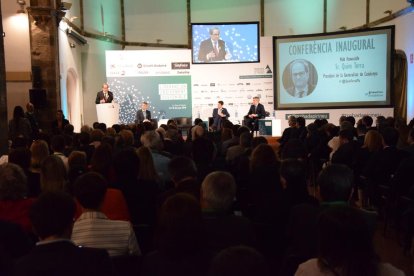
<point>38,97</point>
<point>37,77</point>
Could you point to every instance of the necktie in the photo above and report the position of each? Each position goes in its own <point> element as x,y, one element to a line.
<point>215,48</point>
<point>301,93</point>
<point>255,109</point>
<point>144,113</point>
<point>106,96</point>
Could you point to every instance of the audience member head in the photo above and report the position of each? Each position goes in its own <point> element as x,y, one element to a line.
<point>218,191</point>
<point>21,157</point>
<point>53,176</point>
<point>126,165</point>
<point>263,156</point>
<point>40,150</point>
<point>239,260</point>
<point>151,139</point>
<point>245,139</point>
<point>197,132</point>
<point>373,141</point>
<point>58,143</point>
<point>294,148</point>
<point>181,168</point>
<point>147,169</point>
<point>335,183</point>
<point>179,226</point>
<point>30,107</point>
<point>101,161</point>
<point>18,113</point>
<point>203,151</point>
<point>345,136</point>
<point>13,182</point>
<point>85,129</point>
<point>226,134</point>
<point>127,137</point>
<point>257,141</point>
<point>197,121</point>
<point>241,130</point>
<point>90,190</point>
<point>390,136</point>
<point>351,119</point>
<point>367,121</point>
<point>96,135</point>
<point>300,121</point>
<point>68,129</point>
<point>52,215</point>
<point>292,121</point>
<point>293,177</point>
<point>78,165</point>
<point>351,249</point>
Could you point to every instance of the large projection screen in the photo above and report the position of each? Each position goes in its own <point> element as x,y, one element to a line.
<point>335,70</point>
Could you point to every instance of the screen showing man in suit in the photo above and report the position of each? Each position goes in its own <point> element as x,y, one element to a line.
<point>219,114</point>
<point>104,96</point>
<point>213,49</point>
<point>256,112</point>
<point>143,114</point>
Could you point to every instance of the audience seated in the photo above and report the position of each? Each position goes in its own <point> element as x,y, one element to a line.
<point>52,219</point>
<point>179,240</point>
<point>349,251</point>
<point>183,173</point>
<point>221,228</point>
<point>93,228</point>
<point>14,205</point>
<point>53,175</point>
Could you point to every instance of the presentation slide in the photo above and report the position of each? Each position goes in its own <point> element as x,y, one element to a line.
<point>346,69</point>
<point>161,78</point>
<point>225,42</point>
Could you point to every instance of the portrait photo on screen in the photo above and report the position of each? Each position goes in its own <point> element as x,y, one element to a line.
<point>334,70</point>
<point>300,78</point>
<point>225,42</point>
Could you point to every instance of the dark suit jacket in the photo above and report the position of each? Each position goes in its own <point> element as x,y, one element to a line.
<point>260,111</point>
<point>139,118</point>
<point>206,47</point>
<point>100,96</point>
<point>64,258</point>
<point>291,90</point>
<point>217,120</point>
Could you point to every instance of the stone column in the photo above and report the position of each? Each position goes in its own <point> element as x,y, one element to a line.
<point>3,95</point>
<point>44,19</point>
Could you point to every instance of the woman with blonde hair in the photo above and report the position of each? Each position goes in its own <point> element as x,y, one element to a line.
<point>373,143</point>
<point>39,150</point>
<point>147,170</point>
<point>53,176</point>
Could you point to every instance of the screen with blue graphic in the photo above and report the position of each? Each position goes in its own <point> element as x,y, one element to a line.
<point>225,42</point>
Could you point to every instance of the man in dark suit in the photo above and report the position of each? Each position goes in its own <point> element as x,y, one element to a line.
<point>143,114</point>
<point>55,254</point>
<point>219,114</point>
<point>104,96</point>
<point>256,112</point>
<point>213,49</point>
<point>299,74</point>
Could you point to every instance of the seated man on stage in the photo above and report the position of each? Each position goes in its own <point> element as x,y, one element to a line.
<point>143,114</point>
<point>219,114</point>
<point>256,112</point>
<point>104,96</point>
